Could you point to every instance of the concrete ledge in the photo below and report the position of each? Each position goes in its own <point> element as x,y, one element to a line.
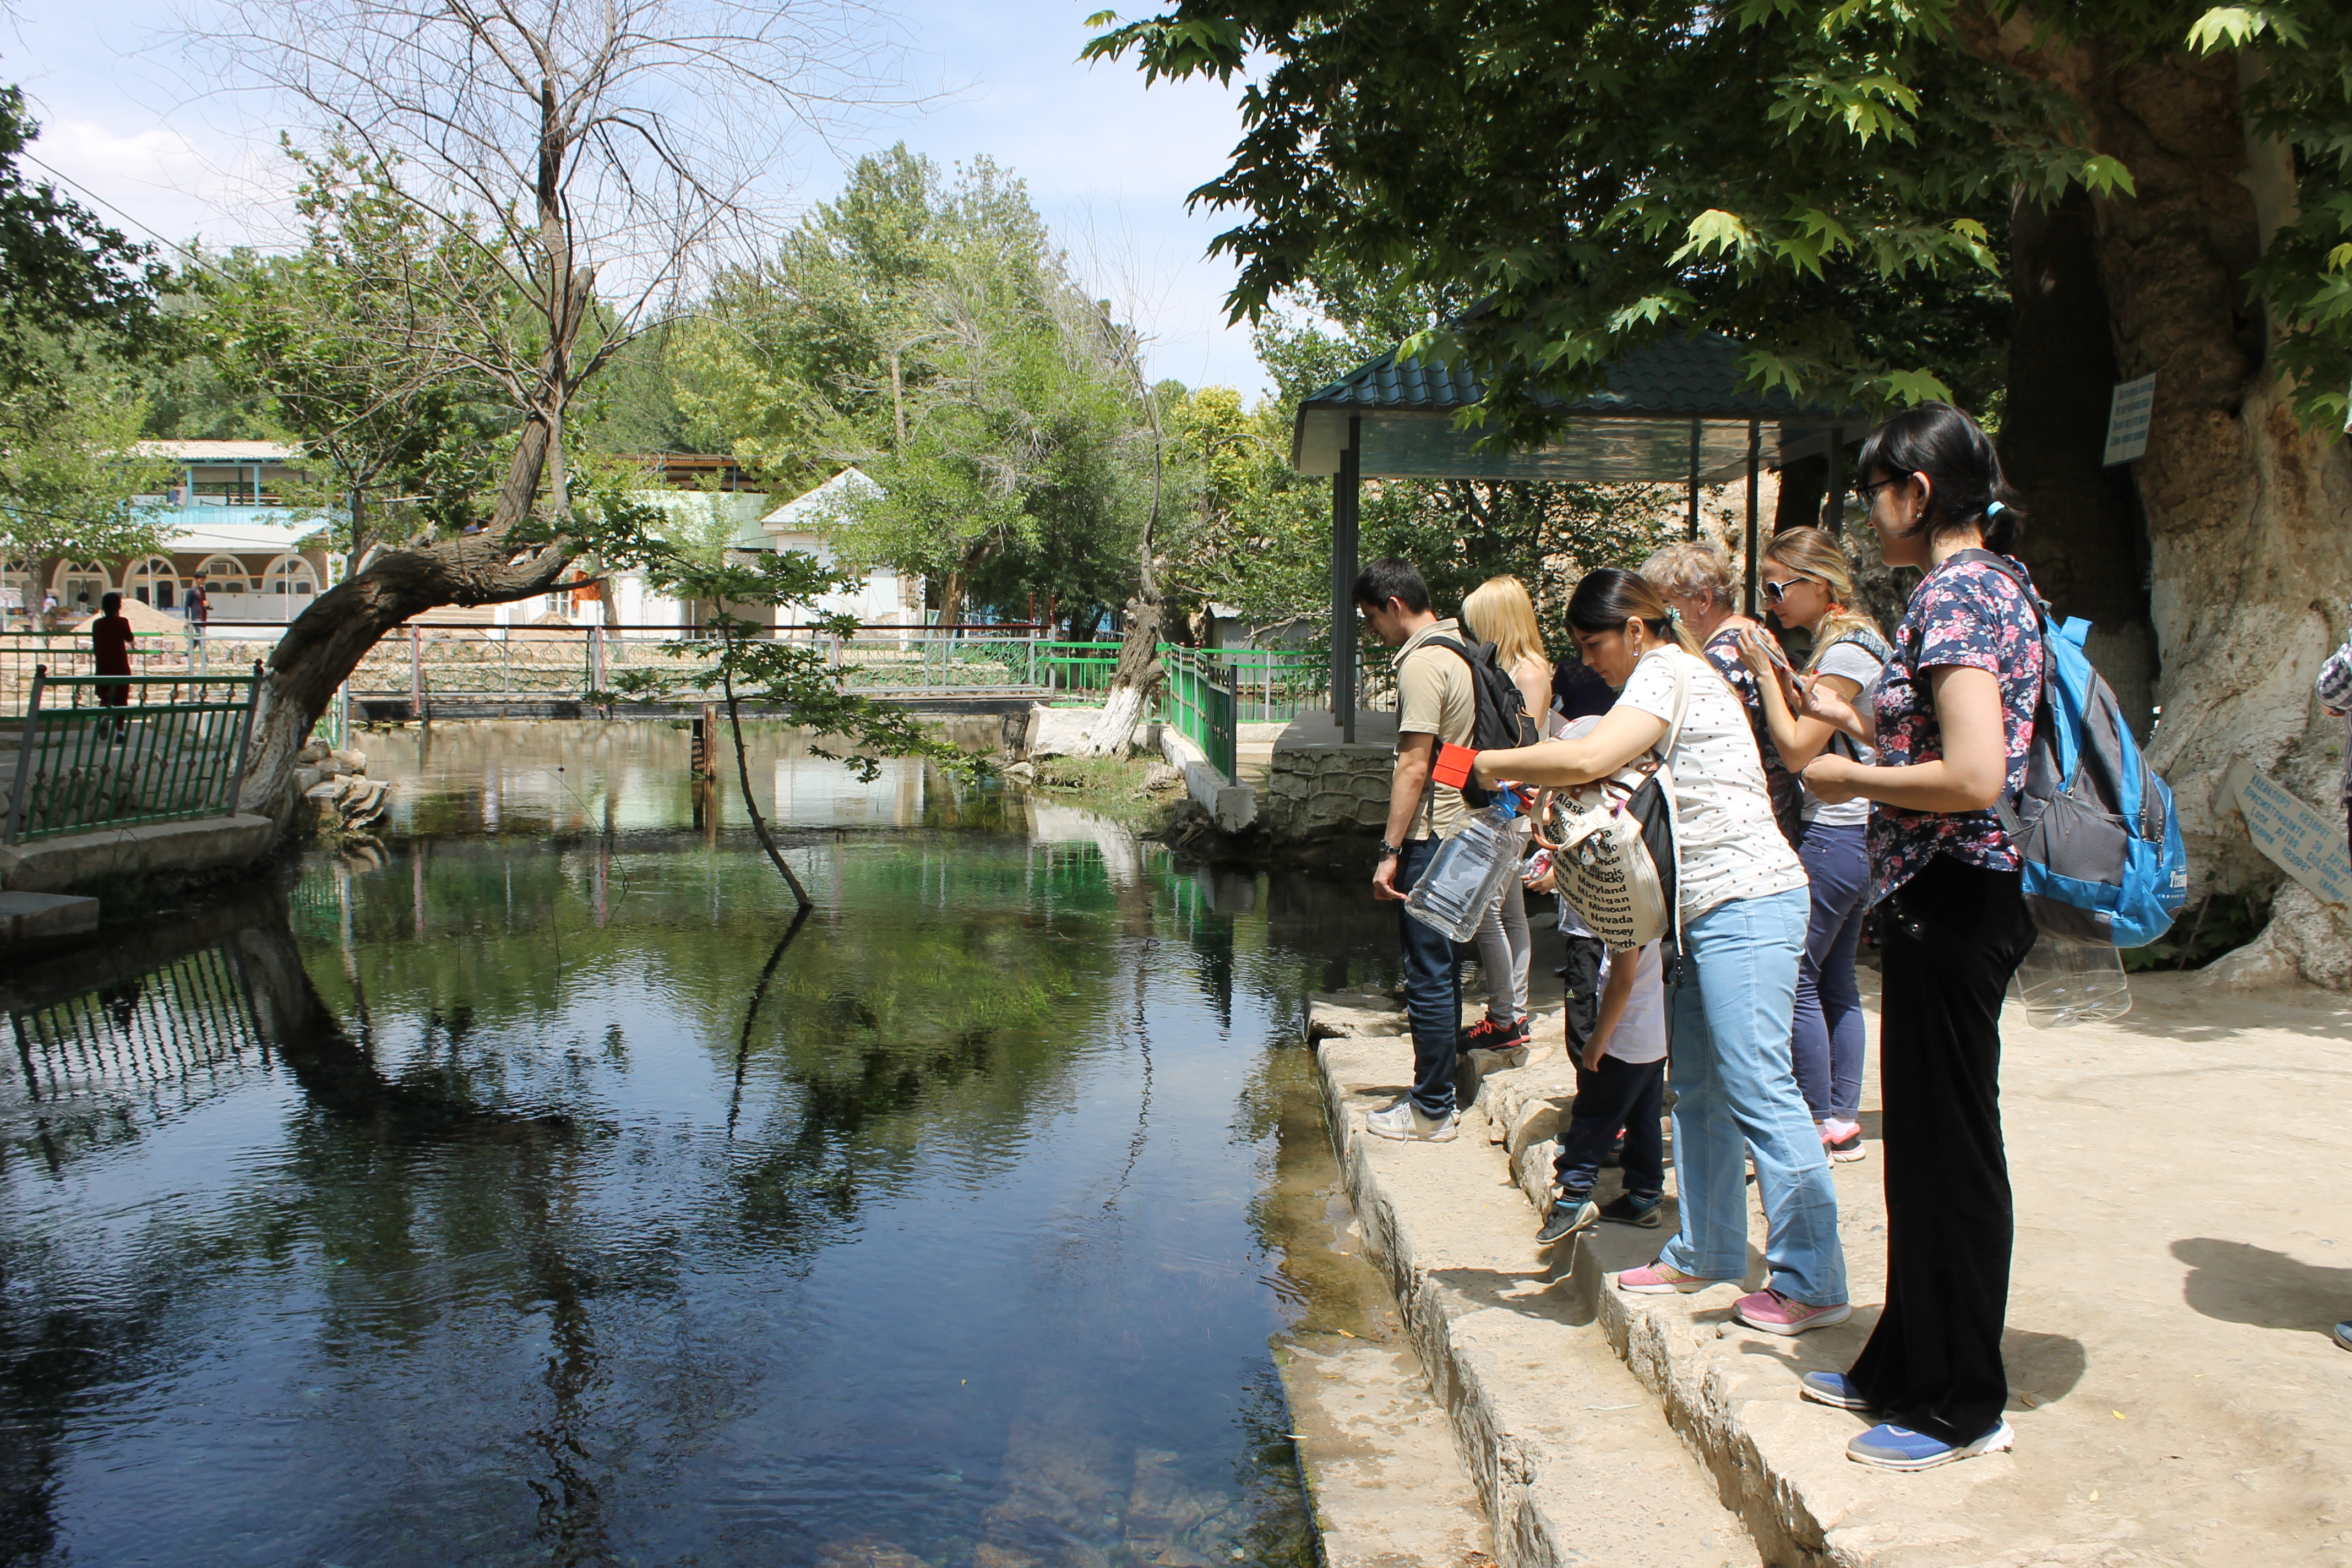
<point>36,917</point>
<point>1231,806</point>
<point>206,844</point>
<point>1570,1455</point>
<point>2175,1393</point>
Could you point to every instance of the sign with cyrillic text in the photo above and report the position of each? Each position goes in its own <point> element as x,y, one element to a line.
<point>2306,843</point>
<point>2127,413</point>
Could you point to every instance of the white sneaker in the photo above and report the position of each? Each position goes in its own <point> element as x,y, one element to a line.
<point>1405,1120</point>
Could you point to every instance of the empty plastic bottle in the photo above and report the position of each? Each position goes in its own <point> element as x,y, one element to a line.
<point>1466,871</point>
<point>2063,983</point>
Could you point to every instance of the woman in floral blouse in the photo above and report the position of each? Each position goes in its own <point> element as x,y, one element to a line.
<point>1951,717</point>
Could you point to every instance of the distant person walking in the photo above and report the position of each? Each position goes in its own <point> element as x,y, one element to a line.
<point>1437,704</point>
<point>1742,911</point>
<point>109,647</point>
<point>1808,585</point>
<point>1499,611</point>
<point>1952,717</point>
<point>199,605</point>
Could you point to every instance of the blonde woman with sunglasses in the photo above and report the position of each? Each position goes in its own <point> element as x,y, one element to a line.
<point>1807,583</point>
<point>1499,611</point>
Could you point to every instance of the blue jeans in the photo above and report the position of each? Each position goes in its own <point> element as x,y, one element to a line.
<point>1829,1034</point>
<point>1432,990</point>
<point>1734,1084</point>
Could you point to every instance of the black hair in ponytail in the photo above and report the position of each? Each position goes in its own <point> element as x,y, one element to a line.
<point>1965,484</point>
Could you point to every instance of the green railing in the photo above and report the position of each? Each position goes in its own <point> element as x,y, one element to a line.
<point>116,750</point>
<point>1200,703</point>
<point>1077,666</point>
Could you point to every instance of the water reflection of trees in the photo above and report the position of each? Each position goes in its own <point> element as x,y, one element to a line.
<point>465,1134</point>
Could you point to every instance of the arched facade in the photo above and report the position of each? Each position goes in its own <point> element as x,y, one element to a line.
<point>224,574</point>
<point>80,585</point>
<point>23,597</point>
<point>152,581</point>
<point>290,574</point>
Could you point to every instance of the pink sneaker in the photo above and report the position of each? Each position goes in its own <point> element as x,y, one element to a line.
<point>1774,1313</point>
<point>1660,1277</point>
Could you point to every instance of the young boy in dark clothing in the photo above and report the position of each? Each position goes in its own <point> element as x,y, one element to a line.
<point>1620,1080</point>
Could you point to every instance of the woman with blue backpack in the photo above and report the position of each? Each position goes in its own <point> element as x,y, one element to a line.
<point>1808,587</point>
<point>1952,717</point>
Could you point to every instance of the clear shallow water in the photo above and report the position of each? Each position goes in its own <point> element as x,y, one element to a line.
<point>544,1194</point>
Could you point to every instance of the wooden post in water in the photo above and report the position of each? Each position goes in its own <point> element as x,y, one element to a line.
<point>706,742</point>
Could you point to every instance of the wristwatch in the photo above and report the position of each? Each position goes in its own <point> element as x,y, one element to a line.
<point>1389,851</point>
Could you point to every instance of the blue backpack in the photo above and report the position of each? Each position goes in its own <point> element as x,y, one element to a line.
<point>2094,826</point>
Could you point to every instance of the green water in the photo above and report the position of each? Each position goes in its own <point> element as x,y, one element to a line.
<point>538,1191</point>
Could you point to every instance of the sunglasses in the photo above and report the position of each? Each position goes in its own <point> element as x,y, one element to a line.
<point>1867,494</point>
<point>1773,591</point>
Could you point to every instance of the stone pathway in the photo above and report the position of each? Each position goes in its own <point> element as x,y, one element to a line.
<point>2182,1248</point>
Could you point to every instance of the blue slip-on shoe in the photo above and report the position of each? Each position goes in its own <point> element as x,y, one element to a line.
<point>1892,1448</point>
<point>1833,1389</point>
<point>2344,1335</point>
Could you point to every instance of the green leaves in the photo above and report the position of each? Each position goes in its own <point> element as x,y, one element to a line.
<point>2236,26</point>
<point>1712,232</point>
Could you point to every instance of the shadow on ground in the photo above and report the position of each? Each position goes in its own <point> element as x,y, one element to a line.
<point>2241,1284</point>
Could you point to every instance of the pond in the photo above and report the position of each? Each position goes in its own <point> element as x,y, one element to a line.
<point>540,1191</point>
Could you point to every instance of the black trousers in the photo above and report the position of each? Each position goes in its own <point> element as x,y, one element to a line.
<point>1953,935</point>
<point>1621,1096</point>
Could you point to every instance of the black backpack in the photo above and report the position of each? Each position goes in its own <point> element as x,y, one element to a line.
<point>1503,721</point>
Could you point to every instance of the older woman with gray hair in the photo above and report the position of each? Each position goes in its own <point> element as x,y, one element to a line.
<point>1698,583</point>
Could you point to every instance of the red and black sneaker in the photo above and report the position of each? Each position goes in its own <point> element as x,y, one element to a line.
<point>1490,1034</point>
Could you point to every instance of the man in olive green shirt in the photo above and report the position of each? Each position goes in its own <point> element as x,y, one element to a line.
<point>1436,703</point>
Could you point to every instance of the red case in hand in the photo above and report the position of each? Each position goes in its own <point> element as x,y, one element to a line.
<point>1453,765</point>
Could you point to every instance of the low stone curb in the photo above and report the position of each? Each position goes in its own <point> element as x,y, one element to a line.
<point>2110,1391</point>
<point>1566,1451</point>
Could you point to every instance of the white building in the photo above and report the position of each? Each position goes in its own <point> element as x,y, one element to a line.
<point>744,522</point>
<point>885,598</point>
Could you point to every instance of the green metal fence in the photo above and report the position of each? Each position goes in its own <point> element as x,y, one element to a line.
<point>115,750</point>
<point>1200,703</point>
<point>1077,666</point>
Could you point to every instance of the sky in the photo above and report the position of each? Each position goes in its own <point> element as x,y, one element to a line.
<point>1108,162</point>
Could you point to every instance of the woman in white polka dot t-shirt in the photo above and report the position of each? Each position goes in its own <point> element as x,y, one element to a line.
<point>1744,908</point>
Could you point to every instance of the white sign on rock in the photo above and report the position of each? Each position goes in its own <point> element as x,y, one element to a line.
<point>2307,843</point>
<point>2127,413</point>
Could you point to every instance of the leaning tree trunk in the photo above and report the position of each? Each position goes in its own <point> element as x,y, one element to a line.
<point>2249,554</point>
<point>1134,682</point>
<point>328,640</point>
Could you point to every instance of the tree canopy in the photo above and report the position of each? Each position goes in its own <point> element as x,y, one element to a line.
<point>1825,179</point>
<point>927,329</point>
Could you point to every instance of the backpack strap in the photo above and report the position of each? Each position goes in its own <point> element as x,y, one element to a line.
<point>1427,813</point>
<point>2003,810</point>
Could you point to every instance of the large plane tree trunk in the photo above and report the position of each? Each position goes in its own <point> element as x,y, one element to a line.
<point>2087,547</point>
<point>2251,556</point>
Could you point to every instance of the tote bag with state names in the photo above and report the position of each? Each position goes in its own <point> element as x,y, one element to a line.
<point>1613,842</point>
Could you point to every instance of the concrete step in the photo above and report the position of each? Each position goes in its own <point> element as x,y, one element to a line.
<point>36,917</point>
<point>1572,1459</point>
<point>2173,1385</point>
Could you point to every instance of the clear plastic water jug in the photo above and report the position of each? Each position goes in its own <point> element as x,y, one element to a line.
<point>2065,982</point>
<point>1465,873</point>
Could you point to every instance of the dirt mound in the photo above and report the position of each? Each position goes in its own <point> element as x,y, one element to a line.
<point>144,619</point>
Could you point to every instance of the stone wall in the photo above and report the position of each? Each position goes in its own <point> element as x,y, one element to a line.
<point>1323,792</point>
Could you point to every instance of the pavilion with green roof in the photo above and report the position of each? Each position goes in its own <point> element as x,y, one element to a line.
<point>1670,412</point>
